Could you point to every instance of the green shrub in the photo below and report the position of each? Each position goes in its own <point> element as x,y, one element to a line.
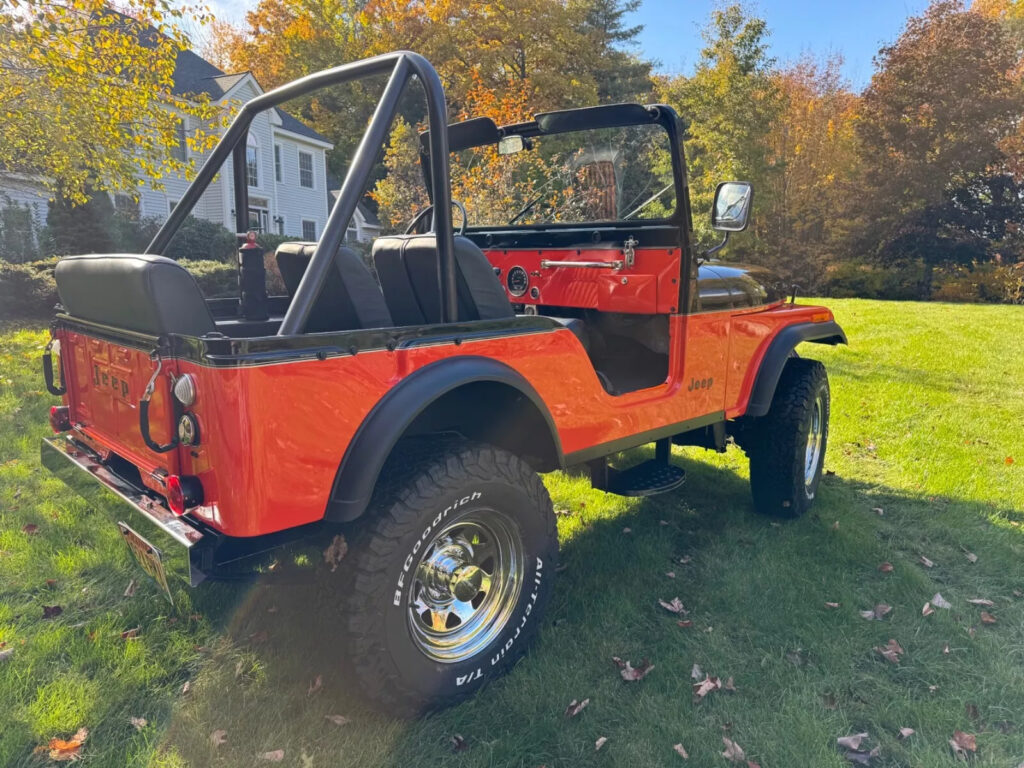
<point>216,279</point>
<point>19,233</point>
<point>996,283</point>
<point>27,291</point>
<point>201,240</point>
<point>850,280</point>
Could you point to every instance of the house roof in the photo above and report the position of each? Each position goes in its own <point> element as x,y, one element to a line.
<point>334,189</point>
<point>194,74</point>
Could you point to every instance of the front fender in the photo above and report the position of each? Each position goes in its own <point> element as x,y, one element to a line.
<point>398,409</point>
<point>779,351</point>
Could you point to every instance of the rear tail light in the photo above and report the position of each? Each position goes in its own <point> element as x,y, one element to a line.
<point>183,493</point>
<point>60,418</point>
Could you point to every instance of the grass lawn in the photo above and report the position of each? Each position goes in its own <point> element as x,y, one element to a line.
<point>926,459</point>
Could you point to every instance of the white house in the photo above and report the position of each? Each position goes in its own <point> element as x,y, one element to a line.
<point>287,167</point>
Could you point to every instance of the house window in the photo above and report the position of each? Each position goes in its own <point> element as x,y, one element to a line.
<point>127,206</point>
<point>351,234</point>
<point>252,164</point>
<point>259,219</point>
<point>277,163</point>
<point>180,150</point>
<point>308,230</point>
<point>306,169</point>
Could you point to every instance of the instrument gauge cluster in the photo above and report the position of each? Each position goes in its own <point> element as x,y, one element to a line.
<point>517,280</point>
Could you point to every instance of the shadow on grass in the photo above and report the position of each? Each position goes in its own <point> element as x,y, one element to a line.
<point>755,590</point>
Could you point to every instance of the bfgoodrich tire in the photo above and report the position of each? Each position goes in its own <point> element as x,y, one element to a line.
<point>450,578</point>
<point>787,448</point>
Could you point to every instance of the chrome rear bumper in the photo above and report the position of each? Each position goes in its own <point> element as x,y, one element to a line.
<point>184,549</point>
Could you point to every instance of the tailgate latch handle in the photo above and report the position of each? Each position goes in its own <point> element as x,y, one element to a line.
<point>144,410</point>
<point>48,372</point>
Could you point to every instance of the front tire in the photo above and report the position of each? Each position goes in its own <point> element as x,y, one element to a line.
<point>451,577</point>
<point>787,449</point>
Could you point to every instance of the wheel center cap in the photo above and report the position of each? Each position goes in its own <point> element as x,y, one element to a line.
<point>465,582</point>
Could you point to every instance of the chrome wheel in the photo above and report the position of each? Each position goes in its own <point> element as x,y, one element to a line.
<point>465,586</point>
<point>815,436</point>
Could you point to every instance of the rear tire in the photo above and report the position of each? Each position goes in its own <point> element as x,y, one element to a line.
<point>787,447</point>
<point>449,578</point>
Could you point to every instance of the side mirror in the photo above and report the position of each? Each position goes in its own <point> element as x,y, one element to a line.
<point>509,145</point>
<point>731,209</point>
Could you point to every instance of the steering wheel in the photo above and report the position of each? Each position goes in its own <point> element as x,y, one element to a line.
<point>422,215</point>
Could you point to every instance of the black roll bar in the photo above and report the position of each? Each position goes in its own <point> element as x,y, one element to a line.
<point>402,65</point>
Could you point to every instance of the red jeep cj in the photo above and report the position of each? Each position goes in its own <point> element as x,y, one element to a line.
<point>414,410</point>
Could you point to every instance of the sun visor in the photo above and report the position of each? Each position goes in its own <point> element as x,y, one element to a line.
<point>610,116</point>
<point>470,133</point>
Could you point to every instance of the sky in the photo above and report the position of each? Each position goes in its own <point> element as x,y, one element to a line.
<point>854,28</point>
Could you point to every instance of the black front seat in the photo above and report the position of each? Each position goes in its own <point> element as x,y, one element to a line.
<point>408,269</point>
<point>350,298</point>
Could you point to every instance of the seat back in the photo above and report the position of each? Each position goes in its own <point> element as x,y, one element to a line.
<point>349,299</point>
<point>147,294</point>
<point>409,276</point>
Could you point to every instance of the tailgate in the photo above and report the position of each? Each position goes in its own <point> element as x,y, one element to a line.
<point>105,381</point>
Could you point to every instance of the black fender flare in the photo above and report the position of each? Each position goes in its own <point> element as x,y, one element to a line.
<point>779,351</point>
<point>389,419</point>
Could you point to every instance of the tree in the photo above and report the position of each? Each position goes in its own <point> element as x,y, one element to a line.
<point>618,73</point>
<point>930,127</point>
<point>87,94</point>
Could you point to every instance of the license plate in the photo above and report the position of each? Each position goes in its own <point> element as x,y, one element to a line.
<point>148,556</point>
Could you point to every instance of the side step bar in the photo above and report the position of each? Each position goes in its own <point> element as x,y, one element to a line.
<point>647,479</point>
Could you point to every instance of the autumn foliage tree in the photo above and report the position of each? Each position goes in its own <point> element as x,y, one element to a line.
<point>87,94</point>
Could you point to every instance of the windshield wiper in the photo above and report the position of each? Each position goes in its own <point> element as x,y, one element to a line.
<point>648,201</point>
<point>526,209</point>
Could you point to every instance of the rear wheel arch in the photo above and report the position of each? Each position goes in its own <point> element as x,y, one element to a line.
<point>473,397</point>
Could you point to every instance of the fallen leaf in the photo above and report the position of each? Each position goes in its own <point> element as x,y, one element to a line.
<point>862,757</point>
<point>336,552</point>
<point>906,732</point>
<point>6,654</point>
<point>685,559</point>
<point>62,751</point>
<point>51,583</point>
<point>276,756</point>
<point>337,719</point>
<point>697,673</point>
<point>971,557</point>
<point>138,722</point>
<point>561,512</point>
<point>878,511</point>
<point>575,707</point>
<point>987,618</point>
<point>673,606</point>
<point>1008,460</point>
<point>685,623</point>
<point>600,743</point>
<point>851,742</point>
<point>981,601</point>
<point>940,602</point>
<point>878,612</point>
<point>51,611</point>
<point>962,743</point>
<point>185,688</point>
<point>733,751</point>
<point>30,528</point>
<point>630,673</point>
<point>670,574</point>
<point>945,649</point>
<point>129,591</point>
<point>680,751</point>
<point>625,530</point>
<point>867,614</point>
<point>458,743</point>
<point>131,634</point>
<point>891,652</point>
<point>706,686</point>
<point>663,522</point>
<point>729,685</point>
<point>316,685</point>
<point>885,567</point>
<point>835,526</point>
<point>927,610</point>
<point>831,605</point>
<point>219,737</point>
<point>926,562</point>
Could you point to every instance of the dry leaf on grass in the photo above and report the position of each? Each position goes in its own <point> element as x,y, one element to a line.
<point>733,751</point>
<point>670,574</point>
<point>675,605</point>
<point>61,751</point>
<point>630,673</point>
<point>706,686</point>
<point>851,742</point>
<point>563,512</point>
<point>600,743</point>
<point>6,654</point>
<point>30,528</point>
<point>316,685</point>
<point>962,743</point>
<point>926,562</point>
<point>627,530</point>
<point>575,707</point>
<point>337,719</point>
<point>1008,461</point>
<point>185,688</point>
<point>878,612</point>
<point>680,751</point>
<point>684,560</point>
<point>906,732</point>
<point>219,737</point>
<point>878,511</point>
<point>138,722</point>
<point>891,652</point>
<point>927,610</point>
<point>981,601</point>
<point>987,618</point>
<point>940,602</point>
<point>685,623</point>
<point>336,552</point>
<point>729,685</point>
<point>971,557</point>
<point>275,756</point>
<point>697,673</point>
<point>131,634</point>
<point>52,611</point>
<point>885,567</point>
<point>831,605</point>
<point>458,743</point>
<point>129,591</point>
<point>835,526</point>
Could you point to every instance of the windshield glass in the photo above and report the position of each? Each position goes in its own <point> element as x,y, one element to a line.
<point>607,174</point>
